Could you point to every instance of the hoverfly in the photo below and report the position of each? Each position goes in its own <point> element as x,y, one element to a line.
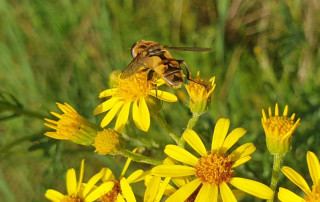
<point>155,58</point>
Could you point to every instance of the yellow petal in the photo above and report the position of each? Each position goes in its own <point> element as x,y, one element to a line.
<point>219,134</point>
<point>134,176</point>
<point>105,106</point>
<point>165,96</point>
<point>296,178</point>
<point>53,195</point>
<point>314,168</point>
<point>57,136</point>
<point>127,190</point>
<point>252,187</point>
<point>100,191</point>
<point>136,114</point>
<point>93,180</point>
<point>108,92</point>
<point>107,175</point>
<point>180,154</point>
<point>111,114</point>
<point>226,193</point>
<point>120,198</point>
<point>80,175</point>
<point>194,141</point>
<point>184,192</point>
<point>207,193</point>
<point>232,138</point>
<point>152,189</point>
<point>162,189</point>
<point>144,115</point>
<point>288,196</point>
<point>123,117</point>
<point>242,151</point>
<point>173,171</point>
<point>71,181</point>
<point>241,161</point>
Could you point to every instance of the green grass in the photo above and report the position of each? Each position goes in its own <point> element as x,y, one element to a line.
<point>63,51</point>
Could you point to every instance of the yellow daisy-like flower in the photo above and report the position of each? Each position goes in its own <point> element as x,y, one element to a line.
<point>78,191</point>
<point>279,130</point>
<point>71,126</point>
<point>311,195</point>
<point>214,169</point>
<point>121,191</point>
<point>200,93</point>
<point>134,89</point>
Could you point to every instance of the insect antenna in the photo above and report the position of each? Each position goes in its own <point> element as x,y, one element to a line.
<point>189,74</point>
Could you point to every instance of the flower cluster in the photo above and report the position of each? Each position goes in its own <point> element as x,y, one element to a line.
<point>190,172</point>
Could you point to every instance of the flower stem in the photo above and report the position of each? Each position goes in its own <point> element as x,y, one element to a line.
<point>139,158</point>
<point>191,123</point>
<point>165,125</point>
<point>277,161</point>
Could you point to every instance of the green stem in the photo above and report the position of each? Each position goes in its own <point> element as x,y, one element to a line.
<point>165,125</point>
<point>21,111</point>
<point>277,161</point>
<point>192,122</point>
<point>139,158</point>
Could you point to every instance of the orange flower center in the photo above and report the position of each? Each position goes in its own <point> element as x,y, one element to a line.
<point>314,196</point>
<point>134,87</point>
<point>112,195</point>
<point>214,168</point>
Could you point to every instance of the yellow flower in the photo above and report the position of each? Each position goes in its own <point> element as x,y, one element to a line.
<point>279,130</point>
<point>107,141</point>
<point>200,93</point>
<point>134,89</point>
<point>311,195</point>
<point>214,169</point>
<point>121,191</point>
<point>78,191</point>
<point>71,126</point>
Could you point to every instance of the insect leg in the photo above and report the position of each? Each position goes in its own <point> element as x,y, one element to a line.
<point>150,74</point>
<point>188,72</point>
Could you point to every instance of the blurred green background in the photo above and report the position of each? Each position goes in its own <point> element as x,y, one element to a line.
<point>63,51</point>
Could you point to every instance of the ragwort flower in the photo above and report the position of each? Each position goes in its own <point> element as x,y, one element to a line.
<point>279,130</point>
<point>214,169</point>
<point>78,191</point>
<point>134,89</point>
<point>200,93</point>
<point>71,126</point>
<point>311,195</point>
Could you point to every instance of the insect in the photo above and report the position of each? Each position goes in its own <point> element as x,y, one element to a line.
<point>155,58</point>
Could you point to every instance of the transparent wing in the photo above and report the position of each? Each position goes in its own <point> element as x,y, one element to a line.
<point>198,49</point>
<point>134,66</point>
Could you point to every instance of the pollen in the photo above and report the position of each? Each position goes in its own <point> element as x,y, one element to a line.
<point>134,87</point>
<point>112,195</point>
<point>106,141</point>
<point>315,194</point>
<point>214,168</point>
<point>70,199</point>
